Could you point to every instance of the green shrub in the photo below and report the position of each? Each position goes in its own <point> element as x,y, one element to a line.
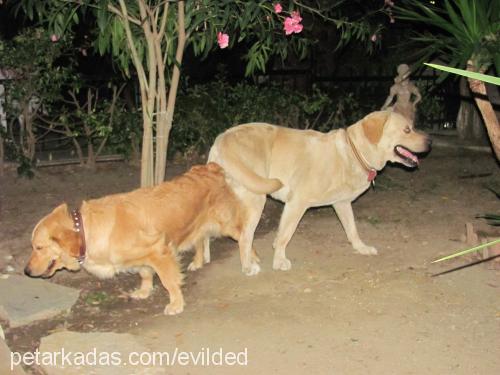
<point>206,110</point>
<point>432,110</point>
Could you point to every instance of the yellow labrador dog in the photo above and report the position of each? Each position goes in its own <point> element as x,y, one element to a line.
<point>316,169</point>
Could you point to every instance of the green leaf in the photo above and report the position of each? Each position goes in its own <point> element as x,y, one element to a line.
<point>117,36</point>
<point>481,77</point>
<point>102,15</point>
<point>203,42</point>
<point>467,251</point>
<point>492,219</point>
<point>101,44</point>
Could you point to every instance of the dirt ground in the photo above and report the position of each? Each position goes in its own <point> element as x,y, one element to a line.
<point>334,312</point>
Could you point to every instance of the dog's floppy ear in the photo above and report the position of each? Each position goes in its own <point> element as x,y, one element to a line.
<point>68,240</point>
<point>62,209</point>
<point>63,233</point>
<point>373,126</point>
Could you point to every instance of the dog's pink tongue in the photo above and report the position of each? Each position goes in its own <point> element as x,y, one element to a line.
<point>408,154</point>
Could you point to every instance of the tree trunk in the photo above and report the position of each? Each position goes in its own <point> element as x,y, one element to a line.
<point>91,159</point>
<point>135,153</point>
<point>78,148</point>
<point>469,122</point>
<point>147,112</point>
<point>79,151</point>
<point>147,150</point>
<point>26,136</point>
<point>167,109</point>
<point>157,112</point>
<point>488,113</point>
<point>149,99</point>
<point>30,138</point>
<point>2,155</point>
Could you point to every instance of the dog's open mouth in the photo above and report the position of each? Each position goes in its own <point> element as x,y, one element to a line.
<point>48,272</point>
<point>407,156</point>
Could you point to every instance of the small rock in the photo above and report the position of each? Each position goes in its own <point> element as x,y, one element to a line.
<point>23,300</point>
<point>9,269</point>
<point>9,257</point>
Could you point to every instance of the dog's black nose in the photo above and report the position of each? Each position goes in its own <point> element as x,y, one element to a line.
<point>27,271</point>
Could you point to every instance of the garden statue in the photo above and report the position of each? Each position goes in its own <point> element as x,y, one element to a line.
<point>403,89</point>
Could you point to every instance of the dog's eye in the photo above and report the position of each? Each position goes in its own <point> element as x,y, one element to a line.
<point>407,129</point>
<point>38,247</point>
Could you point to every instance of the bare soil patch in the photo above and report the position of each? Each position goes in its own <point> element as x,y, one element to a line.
<point>335,311</point>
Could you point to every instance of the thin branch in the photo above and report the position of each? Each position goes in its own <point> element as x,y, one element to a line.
<point>313,126</point>
<point>78,148</point>
<point>133,49</point>
<point>152,66</point>
<point>326,18</point>
<point>57,131</point>
<point>75,100</point>
<point>101,146</point>
<point>112,109</point>
<point>163,22</point>
<point>116,11</point>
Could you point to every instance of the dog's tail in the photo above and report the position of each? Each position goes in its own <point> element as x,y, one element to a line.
<point>236,169</point>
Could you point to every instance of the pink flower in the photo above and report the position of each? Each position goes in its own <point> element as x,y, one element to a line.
<point>54,38</point>
<point>222,39</point>
<point>292,24</point>
<point>296,16</point>
<point>278,8</point>
<point>373,38</point>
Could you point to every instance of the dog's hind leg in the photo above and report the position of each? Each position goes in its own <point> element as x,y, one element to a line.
<point>206,250</point>
<point>346,217</point>
<point>292,213</point>
<point>167,268</point>
<point>146,284</point>
<point>254,205</point>
<point>202,247</point>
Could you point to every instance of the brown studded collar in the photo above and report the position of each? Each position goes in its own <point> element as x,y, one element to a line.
<point>78,227</point>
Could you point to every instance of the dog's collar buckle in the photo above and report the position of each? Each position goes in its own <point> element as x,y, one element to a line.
<point>372,174</point>
<point>80,259</point>
<point>78,227</point>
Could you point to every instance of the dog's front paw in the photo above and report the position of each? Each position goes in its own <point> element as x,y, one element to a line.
<point>282,264</point>
<point>366,250</point>
<point>140,294</point>
<point>252,270</point>
<point>174,308</point>
<point>193,266</point>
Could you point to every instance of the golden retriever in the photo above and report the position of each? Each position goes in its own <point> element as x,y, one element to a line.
<point>140,231</point>
<point>316,169</point>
